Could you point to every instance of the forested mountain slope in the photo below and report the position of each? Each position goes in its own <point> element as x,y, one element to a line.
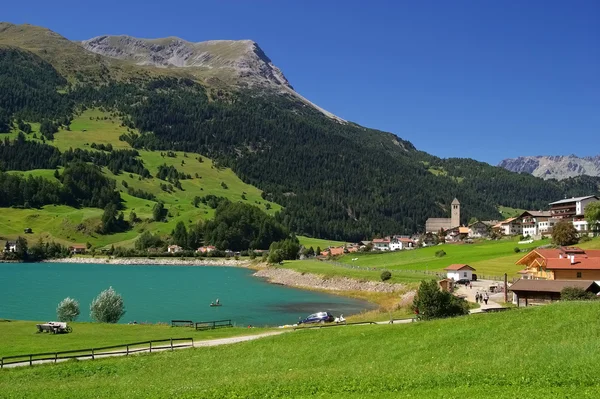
<point>335,179</point>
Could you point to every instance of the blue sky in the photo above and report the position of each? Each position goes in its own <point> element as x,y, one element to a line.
<point>479,79</point>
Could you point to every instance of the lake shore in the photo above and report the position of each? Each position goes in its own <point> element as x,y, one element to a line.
<point>296,279</point>
<point>154,261</point>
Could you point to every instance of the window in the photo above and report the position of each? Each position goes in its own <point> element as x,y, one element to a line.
<point>465,274</point>
<point>578,274</point>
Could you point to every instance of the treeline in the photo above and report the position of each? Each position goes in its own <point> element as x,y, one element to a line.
<point>83,185</point>
<point>22,154</point>
<point>39,251</point>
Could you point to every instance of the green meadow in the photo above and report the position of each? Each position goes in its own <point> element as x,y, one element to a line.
<point>317,242</point>
<point>21,337</point>
<point>70,225</point>
<point>524,353</point>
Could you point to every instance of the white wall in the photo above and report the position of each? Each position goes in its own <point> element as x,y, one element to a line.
<point>460,274</point>
<point>581,205</point>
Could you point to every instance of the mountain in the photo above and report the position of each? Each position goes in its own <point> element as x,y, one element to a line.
<point>554,167</point>
<point>165,104</point>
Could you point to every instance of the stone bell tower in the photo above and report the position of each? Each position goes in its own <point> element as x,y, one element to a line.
<point>455,215</point>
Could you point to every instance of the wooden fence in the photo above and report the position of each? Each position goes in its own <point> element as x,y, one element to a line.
<point>92,353</point>
<point>211,325</point>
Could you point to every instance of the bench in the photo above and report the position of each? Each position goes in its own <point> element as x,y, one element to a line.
<point>182,323</point>
<point>211,325</point>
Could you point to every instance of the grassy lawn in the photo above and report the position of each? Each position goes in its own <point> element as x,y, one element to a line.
<point>317,242</point>
<point>478,356</point>
<point>488,257</point>
<point>20,337</point>
<point>508,212</point>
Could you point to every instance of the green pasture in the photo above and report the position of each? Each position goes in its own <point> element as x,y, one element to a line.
<point>21,337</point>
<point>476,356</point>
<point>488,257</point>
<point>317,242</point>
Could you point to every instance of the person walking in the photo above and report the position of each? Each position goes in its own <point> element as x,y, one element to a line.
<point>477,297</point>
<point>486,298</point>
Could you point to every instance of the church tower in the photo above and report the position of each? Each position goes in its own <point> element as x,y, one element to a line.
<point>455,215</point>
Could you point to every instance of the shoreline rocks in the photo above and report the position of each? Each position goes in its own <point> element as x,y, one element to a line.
<point>293,278</point>
<point>154,261</point>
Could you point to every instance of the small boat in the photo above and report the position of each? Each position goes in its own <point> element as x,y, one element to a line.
<point>215,304</point>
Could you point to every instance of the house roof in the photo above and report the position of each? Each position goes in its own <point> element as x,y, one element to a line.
<point>536,214</point>
<point>573,199</point>
<point>381,240</point>
<point>455,202</point>
<point>458,266</point>
<point>505,222</point>
<point>403,239</point>
<point>553,285</point>
<point>174,246</point>
<point>78,246</point>
<point>578,264</point>
<point>463,230</point>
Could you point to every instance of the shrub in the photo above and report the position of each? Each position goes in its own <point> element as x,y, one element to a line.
<point>575,294</point>
<point>67,310</point>
<point>108,307</point>
<point>584,238</point>
<point>440,253</point>
<point>517,250</point>
<point>386,275</point>
<point>433,303</point>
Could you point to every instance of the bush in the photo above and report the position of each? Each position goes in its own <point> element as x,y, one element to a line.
<point>584,238</point>
<point>440,253</point>
<point>385,275</point>
<point>517,250</point>
<point>108,307</point>
<point>433,303</point>
<point>576,294</point>
<point>67,310</point>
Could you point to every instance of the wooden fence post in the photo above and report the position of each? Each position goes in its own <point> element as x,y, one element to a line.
<point>171,343</point>
<point>1,363</point>
<point>505,288</point>
<point>55,356</point>
<point>127,350</point>
<point>93,358</point>
<point>150,346</point>
<point>30,360</point>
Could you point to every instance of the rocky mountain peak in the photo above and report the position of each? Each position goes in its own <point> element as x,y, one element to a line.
<point>242,58</point>
<point>554,166</point>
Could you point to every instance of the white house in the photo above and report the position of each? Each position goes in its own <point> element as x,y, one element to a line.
<point>510,227</point>
<point>206,250</point>
<point>459,271</point>
<point>536,223</point>
<point>174,248</point>
<point>573,210</point>
<point>11,246</point>
<point>381,244</point>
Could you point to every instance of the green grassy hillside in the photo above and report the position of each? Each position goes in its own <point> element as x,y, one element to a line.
<point>477,356</point>
<point>70,225</point>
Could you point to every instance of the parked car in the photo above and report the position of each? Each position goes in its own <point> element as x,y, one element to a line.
<point>463,281</point>
<point>320,317</point>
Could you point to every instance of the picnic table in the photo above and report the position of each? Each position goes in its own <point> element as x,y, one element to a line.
<point>54,327</point>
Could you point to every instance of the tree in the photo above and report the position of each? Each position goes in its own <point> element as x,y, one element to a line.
<point>67,310</point>
<point>564,233</point>
<point>318,251</point>
<point>132,218</point>
<point>180,235</point>
<point>109,219</point>
<point>385,275</point>
<point>592,215</point>
<point>158,212</point>
<point>107,307</point>
<point>434,303</point>
<point>22,250</point>
<point>576,294</point>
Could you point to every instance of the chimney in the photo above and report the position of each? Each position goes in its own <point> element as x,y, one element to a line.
<point>572,259</point>
<point>559,256</point>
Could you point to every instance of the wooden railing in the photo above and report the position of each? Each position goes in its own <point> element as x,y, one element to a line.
<point>182,323</point>
<point>126,349</point>
<point>211,325</point>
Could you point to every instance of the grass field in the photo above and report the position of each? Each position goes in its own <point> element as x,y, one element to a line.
<point>64,224</point>
<point>477,356</point>
<point>317,242</point>
<point>20,337</point>
<point>508,212</point>
<point>488,257</point>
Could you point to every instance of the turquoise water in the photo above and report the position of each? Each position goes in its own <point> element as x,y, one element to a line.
<point>31,291</point>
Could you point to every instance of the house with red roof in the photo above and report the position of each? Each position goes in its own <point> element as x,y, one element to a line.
<point>564,263</point>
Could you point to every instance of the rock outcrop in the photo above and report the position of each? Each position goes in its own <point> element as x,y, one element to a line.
<point>554,167</point>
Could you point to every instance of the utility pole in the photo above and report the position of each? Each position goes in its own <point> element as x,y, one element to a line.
<point>505,288</point>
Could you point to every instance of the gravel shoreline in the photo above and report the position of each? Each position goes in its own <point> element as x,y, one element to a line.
<point>293,278</point>
<point>154,261</point>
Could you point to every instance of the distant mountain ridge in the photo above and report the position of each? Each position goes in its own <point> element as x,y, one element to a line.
<point>554,167</point>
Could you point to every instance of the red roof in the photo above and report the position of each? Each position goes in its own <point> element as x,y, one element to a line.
<point>405,240</point>
<point>459,267</point>
<point>579,264</point>
<point>381,240</point>
<point>78,246</point>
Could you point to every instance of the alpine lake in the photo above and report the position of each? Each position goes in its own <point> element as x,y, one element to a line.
<point>32,291</point>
